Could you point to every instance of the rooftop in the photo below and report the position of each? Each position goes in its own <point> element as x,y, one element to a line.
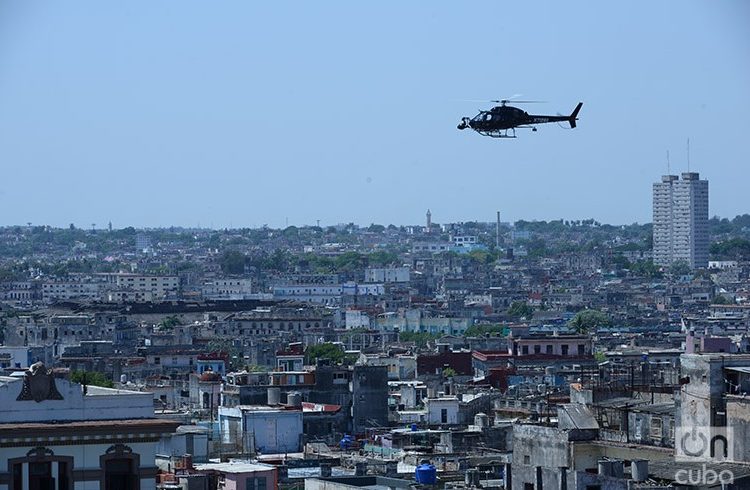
<point>235,467</point>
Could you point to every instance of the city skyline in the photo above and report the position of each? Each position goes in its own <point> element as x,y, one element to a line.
<point>257,114</point>
<point>343,222</point>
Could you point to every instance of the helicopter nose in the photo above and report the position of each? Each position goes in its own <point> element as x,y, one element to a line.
<point>463,124</point>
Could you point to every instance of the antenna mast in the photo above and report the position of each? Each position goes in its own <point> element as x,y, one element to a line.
<point>668,167</point>
<point>688,154</point>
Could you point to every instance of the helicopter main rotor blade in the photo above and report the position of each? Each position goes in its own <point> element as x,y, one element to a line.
<point>506,101</point>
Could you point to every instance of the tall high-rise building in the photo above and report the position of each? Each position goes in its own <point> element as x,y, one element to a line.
<point>681,220</point>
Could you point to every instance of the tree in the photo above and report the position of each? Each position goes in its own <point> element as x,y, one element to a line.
<point>645,268</point>
<point>679,268</point>
<point>326,350</point>
<point>419,338</point>
<point>586,320</point>
<point>170,322</point>
<point>93,378</point>
<point>375,228</point>
<point>449,372</point>
<point>349,262</point>
<point>254,368</point>
<point>232,262</point>
<point>735,248</point>
<point>620,262</point>
<point>290,232</point>
<point>520,309</point>
<point>382,258</point>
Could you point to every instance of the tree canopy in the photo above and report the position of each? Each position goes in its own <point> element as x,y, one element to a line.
<point>482,330</point>
<point>587,320</point>
<point>232,262</point>
<point>326,350</point>
<point>520,309</point>
<point>93,378</point>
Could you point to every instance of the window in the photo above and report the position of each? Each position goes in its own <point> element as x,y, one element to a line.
<point>549,349</point>
<point>526,459</point>
<point>564,349</point>
<point>525,349</point>
<point>17,482</point>
<point>258,483</point>
<point>537,349</point>
<point>444,416</point>
<point>656,428</point>
<point>581,349</point>
<point>121,474</point>
<point>157,360</point>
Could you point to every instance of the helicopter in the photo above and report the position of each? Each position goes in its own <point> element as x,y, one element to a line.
<point>501,121</point>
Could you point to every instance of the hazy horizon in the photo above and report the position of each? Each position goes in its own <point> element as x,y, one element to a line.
<point>205,227</point>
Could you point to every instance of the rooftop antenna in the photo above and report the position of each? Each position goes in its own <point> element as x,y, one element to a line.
<point>688,154</point>
<point>668,168</point>
<point>497,231</point>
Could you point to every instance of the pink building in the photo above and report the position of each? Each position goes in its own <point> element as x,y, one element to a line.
<point>241,475</point>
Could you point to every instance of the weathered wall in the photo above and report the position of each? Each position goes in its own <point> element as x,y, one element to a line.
<point>738,420</point>
<point>537,446</point>
<point>370,397</point>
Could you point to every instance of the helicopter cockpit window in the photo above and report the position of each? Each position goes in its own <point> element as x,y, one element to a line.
<point>487,116</point>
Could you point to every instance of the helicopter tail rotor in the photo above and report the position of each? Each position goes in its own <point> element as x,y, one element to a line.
<point>574,115</point>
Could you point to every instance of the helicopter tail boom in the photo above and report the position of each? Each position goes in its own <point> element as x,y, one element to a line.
<point>574,115</point>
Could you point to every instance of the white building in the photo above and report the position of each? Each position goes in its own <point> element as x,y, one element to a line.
<point>387,274</point>
<point>159,286</point>
<point>465,240</point>
<point>356,319</point>
<point>142,243</point>
<point>57,434</point>
<point>65,290</point>
<point>443,410</point>
<point>263,429</point>
<point>326,294</point>
<point>432,247</point>
<point>681,220</point>
<point>227,289</point>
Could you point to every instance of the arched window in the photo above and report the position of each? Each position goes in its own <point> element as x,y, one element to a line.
<point>120,469</point>
<point>43,470</point>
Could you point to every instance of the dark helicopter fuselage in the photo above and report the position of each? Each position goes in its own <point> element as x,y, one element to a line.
<point>496,121</point>
<point>500,117</point>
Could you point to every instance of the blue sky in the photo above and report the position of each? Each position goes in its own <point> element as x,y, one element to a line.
<point>241,113</point>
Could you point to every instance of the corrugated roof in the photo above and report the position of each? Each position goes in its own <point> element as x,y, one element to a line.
<point>235,467</point>
<point>740,369</point>
<point>576,416</point>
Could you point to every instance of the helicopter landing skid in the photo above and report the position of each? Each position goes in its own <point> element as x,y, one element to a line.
<point>499,133</point>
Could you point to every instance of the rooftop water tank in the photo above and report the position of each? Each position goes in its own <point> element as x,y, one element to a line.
<point>639,469</point>
<point>481,420</point>
<point>426,474</point>
<point>294,399</point>
<point>274,396</point>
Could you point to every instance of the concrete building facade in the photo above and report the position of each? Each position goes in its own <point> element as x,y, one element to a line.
<point>680,210</point>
